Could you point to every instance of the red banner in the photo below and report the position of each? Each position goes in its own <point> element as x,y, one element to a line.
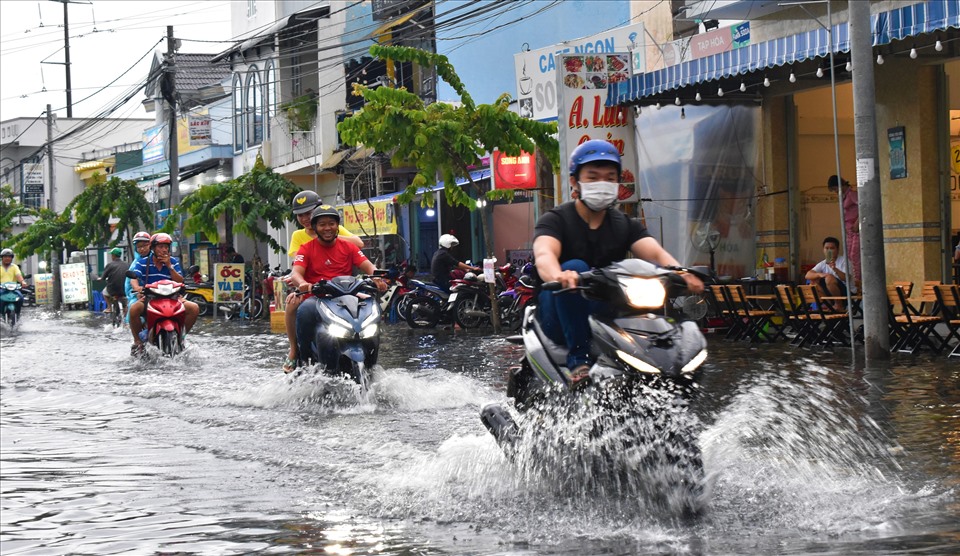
<point>514,172</point>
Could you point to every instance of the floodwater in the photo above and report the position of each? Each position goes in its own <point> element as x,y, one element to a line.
<point>217,452</point>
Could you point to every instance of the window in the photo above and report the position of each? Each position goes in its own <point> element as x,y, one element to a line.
<point>296,84</point>
<point>251,8</point>
<point>270,84</point>
<point>237,114</point>
<point>254,108</point>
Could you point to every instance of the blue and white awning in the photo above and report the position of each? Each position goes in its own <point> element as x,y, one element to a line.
<point>899,23</point>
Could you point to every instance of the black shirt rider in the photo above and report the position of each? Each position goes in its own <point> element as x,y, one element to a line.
<point>598,248</point>
<point>441,265</point>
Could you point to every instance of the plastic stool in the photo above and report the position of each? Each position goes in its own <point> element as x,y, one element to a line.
<point>98,303</point>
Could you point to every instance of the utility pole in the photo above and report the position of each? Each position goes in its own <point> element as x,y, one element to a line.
<point>66,51</point>
<point>52,182</point>
<point>873,261</point>
<point>169,91</point>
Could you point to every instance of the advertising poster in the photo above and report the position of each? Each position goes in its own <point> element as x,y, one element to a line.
<point>228,283</point>
<point>898,152</point>
<point>536,70</point>
<point>43,288</point>
<point>199,125</point>
<point>583,81</point>
<point>153,144</point>
<point>359,219</point>
<point>73,283</point>
<point>203,261</point>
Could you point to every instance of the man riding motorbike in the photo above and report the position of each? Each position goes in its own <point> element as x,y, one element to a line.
<point>158,265</point>
<point>323,258</point>
<point>588,232</point>
<point>10,272</point>
<point>444,261</point>
<point>115,274</point>
<point>302,206</point>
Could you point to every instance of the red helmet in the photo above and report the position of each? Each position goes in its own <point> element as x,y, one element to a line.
<point>141,236</point>
<point>160,238</point>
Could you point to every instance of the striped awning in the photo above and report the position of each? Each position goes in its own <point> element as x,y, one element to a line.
<point>899,23</point>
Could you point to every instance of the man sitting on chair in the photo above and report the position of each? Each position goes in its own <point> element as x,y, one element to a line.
<point>830,274</point>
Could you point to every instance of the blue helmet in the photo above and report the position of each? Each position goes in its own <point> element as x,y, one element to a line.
<point>594,150</point>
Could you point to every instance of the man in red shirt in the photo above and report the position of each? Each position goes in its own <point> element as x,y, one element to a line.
<point>326,257</point>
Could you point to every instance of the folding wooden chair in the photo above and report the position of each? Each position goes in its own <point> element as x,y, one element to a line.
<point>794,317</point>
<point>827,325</point>
<point>915,330</point>
<point>758,321</point>
<point>721,300</point>
<point>948,299</point>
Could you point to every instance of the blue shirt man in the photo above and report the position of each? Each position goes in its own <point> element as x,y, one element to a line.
<point>148,271</point>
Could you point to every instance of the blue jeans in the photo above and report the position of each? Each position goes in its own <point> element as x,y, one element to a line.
<point>564,318</point>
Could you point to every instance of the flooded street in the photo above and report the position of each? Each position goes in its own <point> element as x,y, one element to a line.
<point>217,452</point>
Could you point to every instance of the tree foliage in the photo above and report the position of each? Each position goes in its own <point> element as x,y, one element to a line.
<point>45,235</point>
<point>441,139</point>
<point>260,194</point>
<point>103,200</point>
<point>10,210</point>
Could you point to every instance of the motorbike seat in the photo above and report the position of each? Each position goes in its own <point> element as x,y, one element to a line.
<point>432,288</point>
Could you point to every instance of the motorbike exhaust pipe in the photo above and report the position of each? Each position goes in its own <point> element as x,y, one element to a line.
<point>501,425</point>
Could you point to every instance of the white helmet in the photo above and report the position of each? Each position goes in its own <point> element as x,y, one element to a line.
<point>449,241</point>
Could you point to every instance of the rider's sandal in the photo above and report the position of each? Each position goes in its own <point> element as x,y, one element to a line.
<point>289,365</point>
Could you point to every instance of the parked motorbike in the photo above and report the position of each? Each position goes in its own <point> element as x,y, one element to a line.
<point>165,315</point>
<point>469,301</point>
<point>514,301</point>
<point>426,305</point>
<point>201,293</point>
<point>339,327</point>
<point>11,300</point>
<point>628,409</point>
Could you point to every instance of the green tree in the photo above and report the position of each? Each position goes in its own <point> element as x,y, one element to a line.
<point>259,195</point>
<point>45,235</point>
<point>102,201</point>
<point>441,139</point>
<point>10,211</point>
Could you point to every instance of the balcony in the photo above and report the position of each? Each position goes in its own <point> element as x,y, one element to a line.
<point>291,147</point>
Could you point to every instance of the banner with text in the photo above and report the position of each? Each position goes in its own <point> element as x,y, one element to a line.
<point>361,220</point>
<point>582,81</point>
<point>73,283</point>
<point>514,172</point>
<point>43,288</point>
<point>228,283</point>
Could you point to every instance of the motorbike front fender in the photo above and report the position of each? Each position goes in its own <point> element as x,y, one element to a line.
<point>354,351</point>
<point>167,325</point>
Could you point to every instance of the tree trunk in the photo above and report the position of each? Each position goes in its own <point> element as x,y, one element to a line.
<point>488,245</point>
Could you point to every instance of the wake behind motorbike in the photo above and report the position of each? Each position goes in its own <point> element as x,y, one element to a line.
<point>339,327</point>
<point>626,422</point>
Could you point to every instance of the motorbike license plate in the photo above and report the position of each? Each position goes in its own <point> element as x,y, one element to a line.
<point>452,298</point>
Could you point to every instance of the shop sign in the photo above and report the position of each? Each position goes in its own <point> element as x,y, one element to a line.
<point>33,178</point>
<point>228,282</point>
<point>358,218</point>
<point>720,40</point>
<point>199,126</point>
<point>43,288</point>
<point>519,257</point>
<point>536,70</point>
<point>897,137</point>
<point>73,283</point>
<point>583,82</point>
<point>153,144</point>
<point>514,172</point>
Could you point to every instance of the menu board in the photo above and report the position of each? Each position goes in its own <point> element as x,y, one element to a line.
<point>73,283</point>
<point>43,288</point>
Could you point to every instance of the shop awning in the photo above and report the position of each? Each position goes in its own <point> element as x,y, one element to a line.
<point>396,22</point>
<point>334,160</point>
<point>896,24</point>
<point>365,152</point>
<point>260,36</point>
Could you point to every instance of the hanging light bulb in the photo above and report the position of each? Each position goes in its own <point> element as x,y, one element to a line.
<point>939,46</point>
<point>697,98</point>
<point>879,59</point>
<point>913,53</point>
<point>683,114</point>
<point>719,91</point>
<point>819,72</point>
<point>743,87</point>
<point>677,101</point>
<point>793,77</point>
<point>849,66</point>
<point>766,81</point>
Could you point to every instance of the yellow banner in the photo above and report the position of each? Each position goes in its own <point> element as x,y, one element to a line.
<point>360,220</point>
<point>228,283</point>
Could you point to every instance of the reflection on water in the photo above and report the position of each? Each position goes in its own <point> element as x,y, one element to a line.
<point>219,452</point>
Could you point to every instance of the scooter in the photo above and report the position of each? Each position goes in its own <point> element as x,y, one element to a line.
<point>469,302</point>
<point>339,327</point>
<point>645,373</point>
<point>165,315</point>
<point>11,300</point>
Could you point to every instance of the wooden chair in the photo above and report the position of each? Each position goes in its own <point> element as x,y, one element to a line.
<point>827,326</point>
<point>913,330</point>
<point>722,301</point>
<point>794,318</point>
<point>948,299</point>
<point>758,321</point>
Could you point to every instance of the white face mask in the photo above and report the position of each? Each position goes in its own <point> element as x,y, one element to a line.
<point>598,195</point>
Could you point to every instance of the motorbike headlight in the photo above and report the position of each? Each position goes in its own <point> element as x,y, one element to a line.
<point>370,319</point>
<point>646,293</point>
<point>369,331</point>
<point>338,331</point>
<point>637,363</point>
<point>697,360</point>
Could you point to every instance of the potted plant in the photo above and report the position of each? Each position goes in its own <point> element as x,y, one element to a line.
<point>301,112</point>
